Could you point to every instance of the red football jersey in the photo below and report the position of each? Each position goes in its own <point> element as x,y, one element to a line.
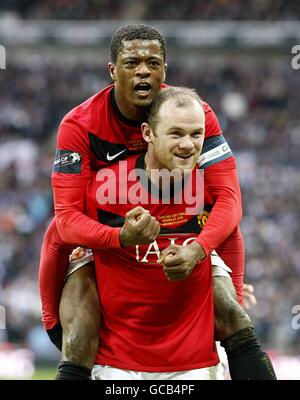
<point>95,134</point>
<point>149,323</point>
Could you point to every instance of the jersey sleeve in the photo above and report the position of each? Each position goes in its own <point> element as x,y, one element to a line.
<point>212,124</point>
<point>223,185</point>
<point>221,180</point>
<point>54,262</point>
<point>233,254</point>
<point>215,147</point>
<point>71,172</point>
<point>221,231</point>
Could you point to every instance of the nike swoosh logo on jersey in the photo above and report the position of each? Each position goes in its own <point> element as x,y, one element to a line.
<point>111,158</point>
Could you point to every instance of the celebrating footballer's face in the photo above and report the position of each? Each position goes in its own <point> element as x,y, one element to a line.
<point>138,72</point>
<point>175,133</point>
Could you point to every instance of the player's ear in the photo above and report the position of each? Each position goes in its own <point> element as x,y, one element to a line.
<point>112,71</point>
<point>165,72</point>
<point>146,132</point>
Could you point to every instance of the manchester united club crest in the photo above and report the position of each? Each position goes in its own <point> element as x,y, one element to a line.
<point>202,218</point>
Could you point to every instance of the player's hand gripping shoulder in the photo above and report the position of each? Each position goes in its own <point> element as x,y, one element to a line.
<point>179,261</point>
<point>139,228</point>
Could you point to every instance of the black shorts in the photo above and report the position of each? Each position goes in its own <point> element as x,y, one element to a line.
<point>55,335</point>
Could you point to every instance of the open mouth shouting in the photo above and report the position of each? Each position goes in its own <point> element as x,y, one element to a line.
<point>143,89</point>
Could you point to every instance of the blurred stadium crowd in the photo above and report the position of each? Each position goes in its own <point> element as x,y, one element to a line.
<point>256,99</point>
<point>155,9</point>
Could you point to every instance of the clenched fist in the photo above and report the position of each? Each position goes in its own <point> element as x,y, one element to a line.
<point>179,261</point>
<point>139,228</point>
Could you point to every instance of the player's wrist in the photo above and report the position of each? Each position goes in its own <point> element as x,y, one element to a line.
<point>123,237</point>
<point>198,251</point>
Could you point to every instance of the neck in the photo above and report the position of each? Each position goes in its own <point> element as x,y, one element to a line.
<point>129,110</point>
<point>159,179</point>
<point>150,163</point>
